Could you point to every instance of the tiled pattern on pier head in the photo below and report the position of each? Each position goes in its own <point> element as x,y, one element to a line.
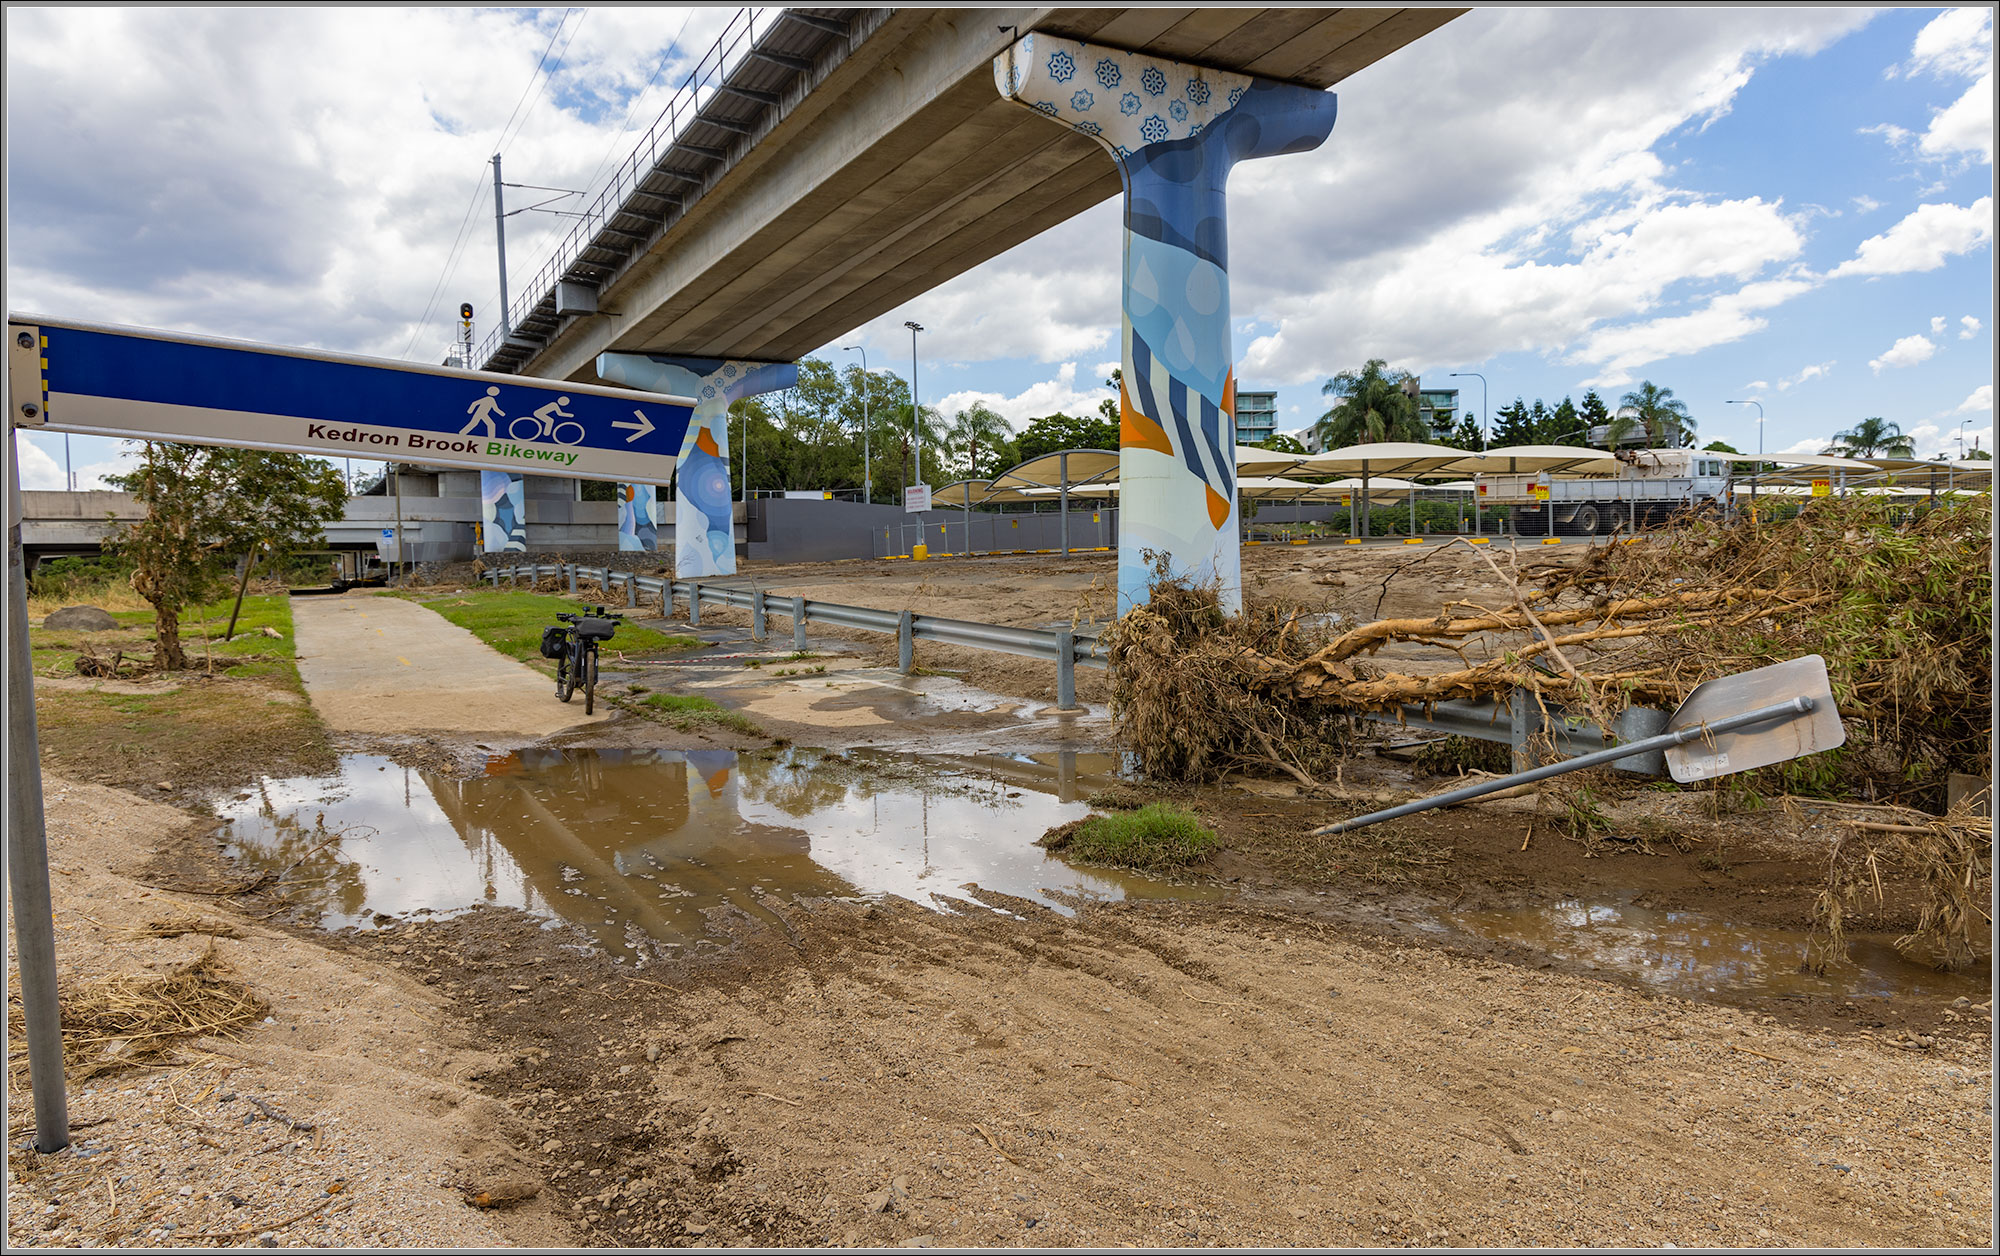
<point>704,537</point>
<point>1175,131</point>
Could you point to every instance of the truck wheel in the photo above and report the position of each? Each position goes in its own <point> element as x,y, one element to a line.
<point>1586,521</point>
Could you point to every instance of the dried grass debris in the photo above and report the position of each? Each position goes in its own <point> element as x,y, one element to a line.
<point>130,1021</point>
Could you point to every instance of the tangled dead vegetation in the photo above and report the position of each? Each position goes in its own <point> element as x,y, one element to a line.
<point>131,1021</point>
<point>1949,858</point>
<point>1185,696</point>
<point>1897,602</point>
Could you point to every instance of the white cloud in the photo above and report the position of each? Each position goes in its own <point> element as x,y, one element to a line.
<point>1937,325</point>
<point>1817,370</point>
<point>1980,401</point>
<point>1866,204</point>
<point>1621,350</point>
<point>1757,386</point>
<point>1804,448</point>
<point>36,468</point>
<point>1964,126</point>
<point>1971,325</point>
<point>1923,240</point>
<point>1058,395</point>
<point>1956,44</point>
<point>1908,351</point>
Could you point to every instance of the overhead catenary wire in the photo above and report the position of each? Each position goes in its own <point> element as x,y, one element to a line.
<point>479,191</point>
<point>590,184</point>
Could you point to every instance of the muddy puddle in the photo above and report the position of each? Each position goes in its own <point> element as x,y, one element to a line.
<point>1697,956</point>
<point>643,849</point>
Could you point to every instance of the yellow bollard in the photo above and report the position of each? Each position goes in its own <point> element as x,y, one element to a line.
<point>920,551</point>
<point>1552,540</point>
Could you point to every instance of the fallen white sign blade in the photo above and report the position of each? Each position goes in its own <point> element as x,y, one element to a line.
<point>1759,745</point>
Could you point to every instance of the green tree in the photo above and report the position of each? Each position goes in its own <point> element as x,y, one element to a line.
<point>1370,405</point>
<point>981,443</point>
<point>203,504</point>
<point>1467,434</point>
<point>1279,443</point>
<point>1109,406</point>
<point>1592,410</point>
<point>1873,437</point>
<point>1662,416</point>
<point>1514,425</point>
<point>1055,432</point>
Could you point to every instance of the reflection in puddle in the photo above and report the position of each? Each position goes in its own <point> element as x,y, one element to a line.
<point>632,845</point>
<point>1689,954</point>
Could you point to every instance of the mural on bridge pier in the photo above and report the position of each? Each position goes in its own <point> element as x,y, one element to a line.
<point>1175,131</point>
<point>704,531</point>
<point>638,525</point>
<point>503,513</point>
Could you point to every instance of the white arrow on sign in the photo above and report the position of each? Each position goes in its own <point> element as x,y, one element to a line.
<point>643,426</point>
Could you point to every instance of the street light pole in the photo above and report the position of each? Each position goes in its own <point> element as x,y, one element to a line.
<point>867,468</point>
<point>1483,442</point>
<point>916,433</point>
<point>500,240</point>
<point>1759,472</point>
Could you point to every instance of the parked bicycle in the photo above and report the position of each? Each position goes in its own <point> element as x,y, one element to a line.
<point>573,645</point>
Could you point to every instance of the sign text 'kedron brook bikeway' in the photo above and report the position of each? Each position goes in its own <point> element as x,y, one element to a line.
<point>143,384</point>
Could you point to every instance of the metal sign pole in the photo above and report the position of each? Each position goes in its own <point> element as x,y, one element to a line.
<point>27,845</point>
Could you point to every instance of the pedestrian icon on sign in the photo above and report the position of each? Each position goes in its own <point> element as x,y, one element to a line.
<point>482,411</point>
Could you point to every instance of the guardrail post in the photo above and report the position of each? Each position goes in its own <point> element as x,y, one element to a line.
<point>694,603</point>
<point>1065,669</point>
<point>799,624</point>
<point>1525,718</point>
<point>631,591</point>
<point>571,568</point>
<point>756,614</point>
<point>906,643</point>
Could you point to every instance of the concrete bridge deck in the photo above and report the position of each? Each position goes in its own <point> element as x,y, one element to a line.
<point>875,164</point>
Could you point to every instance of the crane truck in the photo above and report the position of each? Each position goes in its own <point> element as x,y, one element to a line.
<point>1650,485</point>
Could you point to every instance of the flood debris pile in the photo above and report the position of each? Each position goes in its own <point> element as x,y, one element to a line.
<point>1949,859</point>
<point>1897,603</point>
<point>1185,696</point>
<point>137,1020</point>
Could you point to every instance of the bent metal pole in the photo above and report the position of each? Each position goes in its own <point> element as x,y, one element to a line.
<point>1780,711</point>
<point>27,845</point>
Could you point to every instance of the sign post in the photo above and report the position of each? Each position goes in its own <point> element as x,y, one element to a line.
<point>141,384</point>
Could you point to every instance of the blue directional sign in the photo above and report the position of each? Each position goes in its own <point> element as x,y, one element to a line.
<point>144,384</point>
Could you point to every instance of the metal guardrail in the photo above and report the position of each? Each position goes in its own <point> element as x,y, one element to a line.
<point>1067,649</point>
<point>1516,722</point>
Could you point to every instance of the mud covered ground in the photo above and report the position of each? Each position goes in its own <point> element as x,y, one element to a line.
<point>1311,1062</point>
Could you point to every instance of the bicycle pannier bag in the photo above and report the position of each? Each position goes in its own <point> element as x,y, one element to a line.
<point>553,642</point>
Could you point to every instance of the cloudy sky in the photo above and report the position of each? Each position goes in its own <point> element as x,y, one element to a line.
<point>1792,205</point>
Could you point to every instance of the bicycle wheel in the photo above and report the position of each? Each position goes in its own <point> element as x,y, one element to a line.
<point>566,669</point>
<point>590,683</point>
<point>534,428</point>
<point>556,433</point>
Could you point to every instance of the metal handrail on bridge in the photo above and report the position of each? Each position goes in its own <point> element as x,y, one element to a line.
<point>682,109</point>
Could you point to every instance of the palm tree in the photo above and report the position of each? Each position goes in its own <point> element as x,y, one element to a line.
<point>979,435</point>
<point>1372,404</point>
<point>1657,410</point>
<point>1873,437</point>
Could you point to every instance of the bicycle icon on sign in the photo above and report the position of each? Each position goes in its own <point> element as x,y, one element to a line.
<point>543,425</point>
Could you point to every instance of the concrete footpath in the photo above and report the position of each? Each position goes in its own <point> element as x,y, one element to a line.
<point>375,664</point>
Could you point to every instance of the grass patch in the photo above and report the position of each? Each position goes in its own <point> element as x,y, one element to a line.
<point>686,711</point>
<point>512,622</point>
<point>189,728</point>
<point>1158,836</point>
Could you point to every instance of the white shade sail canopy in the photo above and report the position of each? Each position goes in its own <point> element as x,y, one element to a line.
<point>1404,458</point>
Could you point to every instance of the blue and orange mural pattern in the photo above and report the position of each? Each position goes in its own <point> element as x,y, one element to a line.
<point>1175,131</point>
<point>704,522</point>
